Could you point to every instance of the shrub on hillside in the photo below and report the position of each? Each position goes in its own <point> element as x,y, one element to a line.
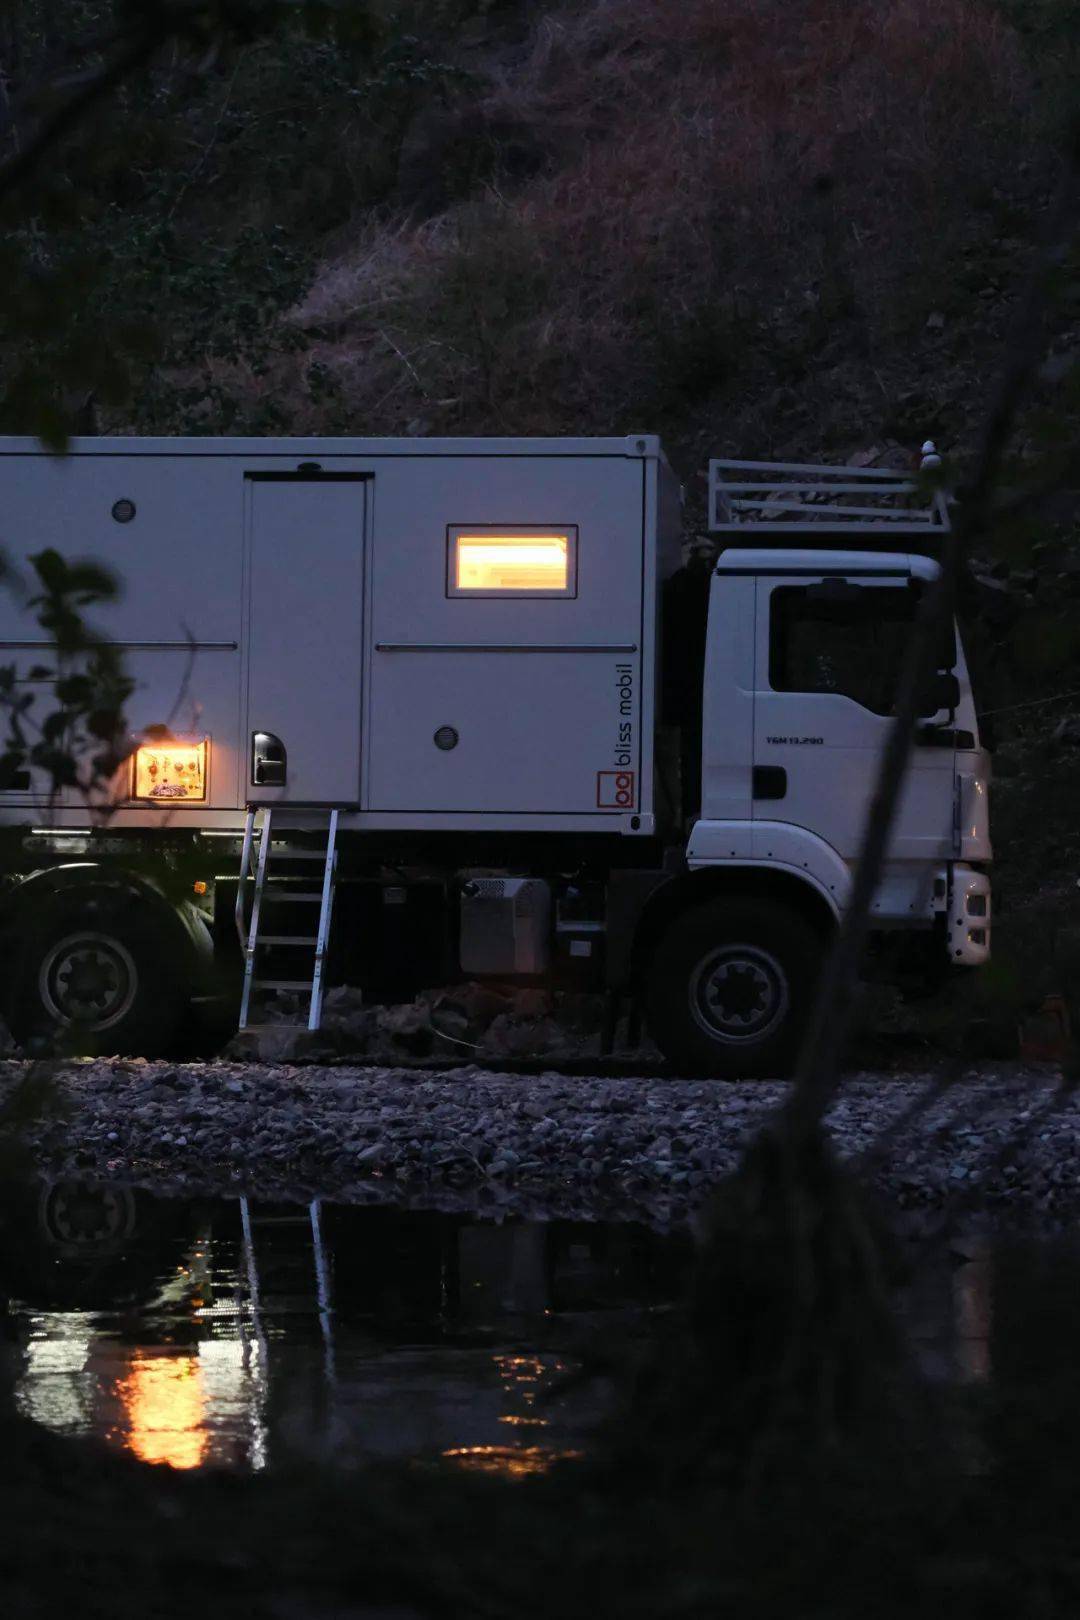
<point>720,178</point>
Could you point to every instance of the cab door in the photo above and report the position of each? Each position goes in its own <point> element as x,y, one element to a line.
<point>828,654</point>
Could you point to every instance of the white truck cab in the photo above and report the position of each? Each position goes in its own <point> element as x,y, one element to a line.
<point>802,655</point>
<point>463,701</point>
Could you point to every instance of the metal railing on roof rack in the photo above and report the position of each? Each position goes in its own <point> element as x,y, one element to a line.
<point>755,499</point>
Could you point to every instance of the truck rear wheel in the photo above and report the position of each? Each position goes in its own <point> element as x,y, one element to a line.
<point>730,988</point>
<point>96,985</point>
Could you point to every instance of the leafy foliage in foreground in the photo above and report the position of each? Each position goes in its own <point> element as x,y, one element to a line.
<point>80,741</point>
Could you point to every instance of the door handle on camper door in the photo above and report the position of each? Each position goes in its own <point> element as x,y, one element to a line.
<point>269,761</point>
<point>769,782</point>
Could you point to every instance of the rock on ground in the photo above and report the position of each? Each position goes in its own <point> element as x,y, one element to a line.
<point>997,1138</point>
<point>469,1021</point>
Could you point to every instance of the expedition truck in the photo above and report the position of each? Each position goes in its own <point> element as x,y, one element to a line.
<point>409,711</point>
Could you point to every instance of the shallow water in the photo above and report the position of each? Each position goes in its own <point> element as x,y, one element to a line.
<point>221,1332</point>
<point>201,1333</point>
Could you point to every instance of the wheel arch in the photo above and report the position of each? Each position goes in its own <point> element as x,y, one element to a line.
<point>743,881</point>
<point>105,895</point>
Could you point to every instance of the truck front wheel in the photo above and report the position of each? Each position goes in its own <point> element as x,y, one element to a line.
<point>97,985</point>
<point>730,987</point>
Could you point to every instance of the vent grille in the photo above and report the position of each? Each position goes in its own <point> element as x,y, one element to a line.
<point>487,888</point>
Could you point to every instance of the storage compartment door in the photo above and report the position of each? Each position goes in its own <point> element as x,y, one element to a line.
<point>523,730</point>
<point>305,638</point>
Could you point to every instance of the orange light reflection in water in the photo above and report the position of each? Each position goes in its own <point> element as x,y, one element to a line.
<point>511,1462</point>
<point>165,1409</point>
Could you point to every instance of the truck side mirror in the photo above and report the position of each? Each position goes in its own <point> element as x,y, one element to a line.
<point>942,692</point>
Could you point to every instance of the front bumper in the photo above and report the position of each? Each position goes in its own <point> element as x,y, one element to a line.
<point>968,916</point>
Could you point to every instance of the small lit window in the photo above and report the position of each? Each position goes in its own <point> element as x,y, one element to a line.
<point>512,561</point>
<point>169,771</point>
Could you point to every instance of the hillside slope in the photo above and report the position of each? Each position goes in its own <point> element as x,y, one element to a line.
<point>757,225</point>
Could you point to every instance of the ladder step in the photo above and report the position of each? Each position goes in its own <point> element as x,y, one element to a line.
<point>275,884</point>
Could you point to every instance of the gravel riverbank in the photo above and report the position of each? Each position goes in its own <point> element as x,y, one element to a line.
<point>999,1138</point>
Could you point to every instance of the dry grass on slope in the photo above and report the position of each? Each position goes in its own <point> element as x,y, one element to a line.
<point>720,183</point>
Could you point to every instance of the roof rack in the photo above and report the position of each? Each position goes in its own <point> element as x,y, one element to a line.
<point>756,499</point>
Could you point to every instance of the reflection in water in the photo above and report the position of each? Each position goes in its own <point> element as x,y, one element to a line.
<point>510,1462</point>
<point>161,1403</point>
<point>52,1391</point>
<point>973,1312</point>
<point>235,1334</point>
<point>165,1410</point>
<point>521,1378</point>
<point>948,1307</point>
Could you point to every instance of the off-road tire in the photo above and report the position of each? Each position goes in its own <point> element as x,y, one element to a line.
<point>730,986</point>
<point>97,984</point>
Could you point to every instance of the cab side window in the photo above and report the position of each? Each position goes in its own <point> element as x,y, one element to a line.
<point>851,645</point>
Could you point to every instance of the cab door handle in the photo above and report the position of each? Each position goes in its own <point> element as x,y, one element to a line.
<point>769,782</point>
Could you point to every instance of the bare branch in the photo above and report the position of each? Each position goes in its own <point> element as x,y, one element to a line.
<point>132,49</point>
<point>24,164</point>
<point>830,1025</point>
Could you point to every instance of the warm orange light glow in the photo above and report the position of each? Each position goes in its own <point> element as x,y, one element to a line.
<point>511,1462</point>
<point>164,1407</point>
<point>512,562</point>
<point>167,771</point>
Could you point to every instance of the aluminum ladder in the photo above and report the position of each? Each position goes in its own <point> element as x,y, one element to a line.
<point>274,888</point>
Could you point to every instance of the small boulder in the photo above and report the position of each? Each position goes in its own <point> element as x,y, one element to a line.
<point>477,1003</point>
<point>266,1043</point>
<point>512,1037</point>
<point>407,1028</point>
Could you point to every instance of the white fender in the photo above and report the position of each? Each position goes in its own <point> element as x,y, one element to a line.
<point>775,845</point>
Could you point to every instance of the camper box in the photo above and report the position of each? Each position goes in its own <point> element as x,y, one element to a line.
<point>427,634</point>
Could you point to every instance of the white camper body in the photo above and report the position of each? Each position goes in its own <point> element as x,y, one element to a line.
<point>411,711</point>
<point>305,590</point>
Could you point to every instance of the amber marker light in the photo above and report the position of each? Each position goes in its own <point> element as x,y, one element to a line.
<point>171,772</point>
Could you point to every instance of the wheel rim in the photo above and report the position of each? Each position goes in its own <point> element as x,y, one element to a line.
<point>76,1218</point>
<point>89,980</point>
<point>739,993</point>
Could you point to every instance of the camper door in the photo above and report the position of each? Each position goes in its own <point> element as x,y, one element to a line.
<point>305,571</point>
